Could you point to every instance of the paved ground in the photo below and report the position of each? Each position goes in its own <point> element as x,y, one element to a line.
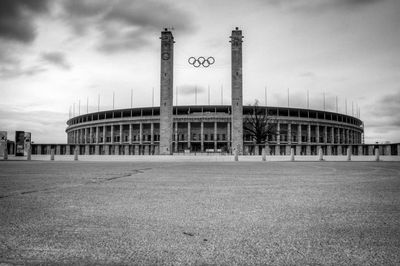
<point>199,213</point>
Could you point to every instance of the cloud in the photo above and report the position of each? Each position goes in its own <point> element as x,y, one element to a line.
<point>315,6</point>
<point>17,19</point>
<point>125,24</point>
<point>15,69</point>
<point>57,59</point>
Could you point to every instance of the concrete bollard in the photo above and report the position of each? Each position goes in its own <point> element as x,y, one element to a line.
<point>348,154</point>
<point>75,154</point>
<point>320,155</point>
<point>292,155</point>
<point>28,158</point>
<point>5,154</point>
<point>52,155</point>
<point>263,153</point>
<point>377,154</point>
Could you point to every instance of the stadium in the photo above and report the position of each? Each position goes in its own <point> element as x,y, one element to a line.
<point>208,129</point>
<point>169,129</point>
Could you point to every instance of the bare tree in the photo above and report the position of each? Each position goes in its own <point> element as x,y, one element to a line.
<point>260,125</point>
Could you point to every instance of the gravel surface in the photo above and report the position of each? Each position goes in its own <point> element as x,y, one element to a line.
<point>276,213</point>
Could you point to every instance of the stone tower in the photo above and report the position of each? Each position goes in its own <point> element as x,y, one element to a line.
<point>237,90</point>
<point>166,91</point>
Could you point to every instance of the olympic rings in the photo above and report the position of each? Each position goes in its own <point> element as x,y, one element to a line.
<point>201,61</point>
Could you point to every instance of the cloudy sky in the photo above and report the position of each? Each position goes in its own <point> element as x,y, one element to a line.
<point>55,54</point>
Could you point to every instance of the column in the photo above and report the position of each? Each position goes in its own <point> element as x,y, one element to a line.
<point>189,135</point>
<point>97,135</point>
<point>90,131</point>
<point>360,150</point>
<point>85,135</point>
<point>152,138</point>
<point>237,90</point>
<point>278,133</point>
<point>332,135</point>
<point>325,134</point>
<point>338,135</point>
<point>112,133</point>
<point>309,133</point>
<point>202,136</point>
<point>215,136</point>
<point>176,137</point>
<point>166,92</point>
<point>141,133</point>
<point>104,134</point>
<point>130,133</point>
<point>121,127</point>
<point>317,135</point>
<point>299,133</point>
<point>228,135</point>
<point>289,133</point>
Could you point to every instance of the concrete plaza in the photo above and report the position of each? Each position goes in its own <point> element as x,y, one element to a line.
<point>66,212</point>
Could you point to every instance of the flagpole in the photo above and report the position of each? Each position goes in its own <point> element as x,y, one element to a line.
<point>98,102</point>
<point>113,100</point>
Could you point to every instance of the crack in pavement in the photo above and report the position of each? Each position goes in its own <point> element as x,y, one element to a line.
<point>93,181</point>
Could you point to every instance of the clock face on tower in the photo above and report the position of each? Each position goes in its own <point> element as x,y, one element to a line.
<point>165,56</point>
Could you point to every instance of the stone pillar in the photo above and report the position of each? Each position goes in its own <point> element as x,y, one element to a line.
<point>237,90</point>
<point>126,150</point>
<point>298,150</point>
<point>176,137</point>
<point>215,136</point>
<point>58,149</point>
<point>38,150</point>
<point>398,149</point>
<point>152,133</point>
<point>166,92</point>
<point>360,150</point>
<point>347,138</point>
<point>141,133</point>
<point>107,149</point>
<point>339,150</point>
<point>97,135</point>
<point>202,136</point>
<point>87,147</point>
<point>112,133</point>
<point>308,149</point>
<point>289,133</point>
<point>228,135</point>
<point>85,136</point>
<point>329,150</point>
<point>287,149</point>
<point>338,136</point>
<point>97,150</point>
<point>104,134</point>
<point>116,149</point>
<point>90,134</point>
<point>309,134</point>
<point>299,133</point>
<point>136,149</point>
<point>370,150</point>
<point>121,127</point>
<point>278,133</point>
<point>130,133</point>
<point>317,134</point>
<point>332,135</point>
<point>388,150</point>
<point>325,134</point>
<point>189,135</point>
